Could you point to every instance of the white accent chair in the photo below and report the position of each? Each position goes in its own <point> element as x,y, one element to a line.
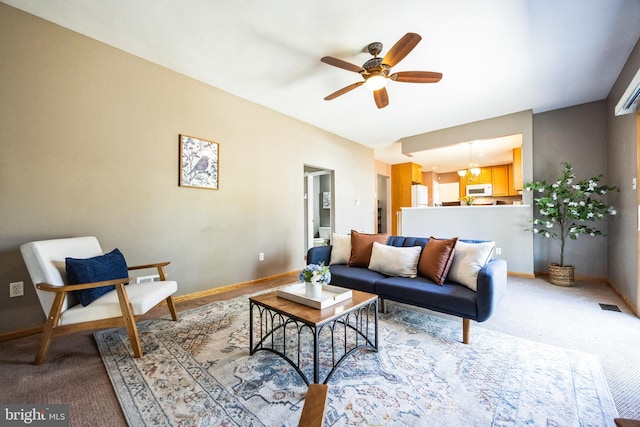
<point>45,261</point>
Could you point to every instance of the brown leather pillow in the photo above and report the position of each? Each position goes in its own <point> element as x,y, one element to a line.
<point>361,247</point>
<point>436,259</point>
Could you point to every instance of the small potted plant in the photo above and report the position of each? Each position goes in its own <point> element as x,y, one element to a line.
<point>565,209</point>
<point>315,276</point>
<point>466,200</point>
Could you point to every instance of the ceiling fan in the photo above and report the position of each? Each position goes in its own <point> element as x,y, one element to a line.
<point>376,70</point>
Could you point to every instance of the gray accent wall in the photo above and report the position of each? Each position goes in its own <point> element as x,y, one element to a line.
<point>577,135</point>
<point>623,135</point>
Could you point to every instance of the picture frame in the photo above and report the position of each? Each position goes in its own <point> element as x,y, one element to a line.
<point>326,200</point>
<point>198,163</point>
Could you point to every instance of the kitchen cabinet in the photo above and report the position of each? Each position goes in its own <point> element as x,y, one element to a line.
<point>512,188</point>
<point>402,177</point>
<point>483,178</point>
<point>500,180</point>
<point>506,180</point>
<point>517,170</point>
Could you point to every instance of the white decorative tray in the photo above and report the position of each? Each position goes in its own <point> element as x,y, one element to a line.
<point>330,295</point>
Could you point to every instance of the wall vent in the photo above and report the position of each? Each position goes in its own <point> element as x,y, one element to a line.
<point>629,101</point>
<point>145,279</point>
<point>610,307</point>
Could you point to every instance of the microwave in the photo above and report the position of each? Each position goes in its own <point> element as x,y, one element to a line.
<point>479,190</point>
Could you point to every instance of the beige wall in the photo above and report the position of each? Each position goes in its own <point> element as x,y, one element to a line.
<point>90,146</point>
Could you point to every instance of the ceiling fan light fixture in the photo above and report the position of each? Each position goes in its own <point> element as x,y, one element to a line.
<point>475,171</point>
<point>375,71</point>
<point>462,172</point>
<point>375,81</point>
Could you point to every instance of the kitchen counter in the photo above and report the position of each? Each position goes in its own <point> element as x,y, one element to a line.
<point>504,224</point>
<point>473,206</point>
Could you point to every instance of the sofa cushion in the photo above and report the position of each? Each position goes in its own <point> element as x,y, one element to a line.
<point>436,259</point>
<point>341,248</point>
<point>97,269</point>
<point>401,241</point>
<point>469,258</point>
<point>361,247</point>
<point>360,279</point>
<point>394,261</point>
<point>449,298</point>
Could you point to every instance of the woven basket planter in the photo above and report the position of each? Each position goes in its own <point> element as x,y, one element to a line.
<point>561,275</point>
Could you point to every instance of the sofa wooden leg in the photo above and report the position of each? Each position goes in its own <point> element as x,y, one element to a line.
<point>466,326</point>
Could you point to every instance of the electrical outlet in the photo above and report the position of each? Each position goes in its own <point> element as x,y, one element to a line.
<point>16,289</point>
<point>498,251</point>
<point>261,256</point>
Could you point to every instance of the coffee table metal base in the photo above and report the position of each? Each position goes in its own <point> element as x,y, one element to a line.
<point>356,325</point>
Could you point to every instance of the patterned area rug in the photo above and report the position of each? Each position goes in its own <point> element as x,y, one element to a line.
<point>198,372</point>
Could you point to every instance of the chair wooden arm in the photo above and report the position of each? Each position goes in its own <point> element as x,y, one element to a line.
<point>159,265</point>
<point>155,265</point>
<point>79,286</point>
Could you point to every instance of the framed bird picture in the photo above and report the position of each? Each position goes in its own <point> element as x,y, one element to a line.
<point>199,165</point>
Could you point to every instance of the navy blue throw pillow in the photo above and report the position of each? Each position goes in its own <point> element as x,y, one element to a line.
<point>97,269</point>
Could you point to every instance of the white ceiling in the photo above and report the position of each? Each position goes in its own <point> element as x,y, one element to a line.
<point>497,56</point>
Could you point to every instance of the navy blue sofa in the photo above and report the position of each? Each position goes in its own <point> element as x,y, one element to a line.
<point>450,298</point>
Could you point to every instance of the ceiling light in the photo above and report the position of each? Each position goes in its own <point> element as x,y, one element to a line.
<point>474,170</point>
<point>375,82</point>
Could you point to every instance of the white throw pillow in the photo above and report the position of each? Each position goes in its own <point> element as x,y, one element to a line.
<point>341,248</point>
<point>395,261</point>
<point>468,259</point>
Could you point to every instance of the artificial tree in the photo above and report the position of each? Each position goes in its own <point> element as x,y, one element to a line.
<point>566,207</point>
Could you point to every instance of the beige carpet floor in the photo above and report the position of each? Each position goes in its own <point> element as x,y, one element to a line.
<point>571,317</point>
<point>534,309</point>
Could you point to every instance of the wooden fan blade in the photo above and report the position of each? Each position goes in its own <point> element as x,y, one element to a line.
<point>343,91</point>
<point>401,49</point>
<point>416,76</point>
<point>381,97</point>
<point>341,64</point>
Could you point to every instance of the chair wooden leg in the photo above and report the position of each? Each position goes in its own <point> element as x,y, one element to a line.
<point>172,308</point>
<point>129,320</point>
<point>466,330</point>
<point>47,332</point>
<point>315,406</point>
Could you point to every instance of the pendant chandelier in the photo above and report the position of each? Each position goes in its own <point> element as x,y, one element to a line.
<point>473,170</point>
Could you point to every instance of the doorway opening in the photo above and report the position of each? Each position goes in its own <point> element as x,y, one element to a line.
<point>383,213</point>
<point>318,206</point>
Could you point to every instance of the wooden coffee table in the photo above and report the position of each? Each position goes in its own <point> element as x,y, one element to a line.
<point>277,318</point>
